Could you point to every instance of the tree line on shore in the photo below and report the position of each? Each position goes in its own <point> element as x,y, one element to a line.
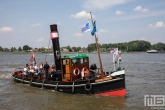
<point>25,48</point>
<point>132,46</point>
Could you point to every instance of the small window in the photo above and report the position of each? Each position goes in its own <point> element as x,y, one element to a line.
<point>75,61</point>
<point>81,61</point>
<point>85,60</point>
<point>66,62</point>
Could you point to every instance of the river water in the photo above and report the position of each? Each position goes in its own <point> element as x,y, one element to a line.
<point>145,74</point>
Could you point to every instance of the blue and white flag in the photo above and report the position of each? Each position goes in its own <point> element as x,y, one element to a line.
<point>94,28</point>
<point>85,28</point>
<point>115,50</point>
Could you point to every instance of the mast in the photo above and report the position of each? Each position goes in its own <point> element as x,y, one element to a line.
<point>98,52</point>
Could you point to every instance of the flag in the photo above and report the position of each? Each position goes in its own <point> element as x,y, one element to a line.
<point>94,28</point>
<point>85,28</point>
<point>32,59</point>
<point>115,50</point>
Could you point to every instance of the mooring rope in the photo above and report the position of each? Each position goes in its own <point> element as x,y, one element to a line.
<point>56,86</point>
<point>43,83</point>
<point>73,87</point>
<point>46,53</point>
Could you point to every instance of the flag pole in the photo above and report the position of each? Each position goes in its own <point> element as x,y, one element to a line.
<point>98,52</point>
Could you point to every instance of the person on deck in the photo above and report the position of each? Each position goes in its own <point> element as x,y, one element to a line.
<point>46,68</point>
<point>37,71</point>
<point>53,67</point>
<point>41,67</point>
<point>36,68</point>
<point>28,67</point>
<point>31,66</point>
<point>25,70</point>
<point>92,71</point>
<point>119,59</point>
<point>31,71</point>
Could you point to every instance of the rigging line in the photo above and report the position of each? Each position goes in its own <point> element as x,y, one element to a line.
<point>77,48</point>
<point>46,52</point>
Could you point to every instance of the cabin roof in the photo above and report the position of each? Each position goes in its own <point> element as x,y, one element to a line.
<point>77,56</point>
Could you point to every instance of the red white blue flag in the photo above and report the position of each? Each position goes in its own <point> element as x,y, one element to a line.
<point>32,59</point>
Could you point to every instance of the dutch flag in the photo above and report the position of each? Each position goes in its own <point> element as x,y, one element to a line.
<point>32,59</point>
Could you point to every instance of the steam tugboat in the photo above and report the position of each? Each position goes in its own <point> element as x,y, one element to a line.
<point>74,74</point>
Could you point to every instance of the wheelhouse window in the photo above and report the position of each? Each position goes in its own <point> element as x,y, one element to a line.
<point>75,61</point>
<point>81,60</point>
<point>65,61</point>
<point>85,60</point>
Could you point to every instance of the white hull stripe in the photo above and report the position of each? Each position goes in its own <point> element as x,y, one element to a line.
<point>118,73</point>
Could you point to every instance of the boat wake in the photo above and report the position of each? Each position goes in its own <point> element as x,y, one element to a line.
<point>5,75</point>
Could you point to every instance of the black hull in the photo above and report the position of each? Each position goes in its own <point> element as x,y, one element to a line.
<point>79,86</point>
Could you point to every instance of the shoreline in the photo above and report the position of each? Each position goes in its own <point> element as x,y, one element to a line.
<point>68,53</point>
<point>79,52</point>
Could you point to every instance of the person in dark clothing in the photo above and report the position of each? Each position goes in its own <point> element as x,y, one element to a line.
<point>46,68</point>
<point>92,71</point>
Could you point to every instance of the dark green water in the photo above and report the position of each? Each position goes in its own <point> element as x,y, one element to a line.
<point>145,74</point>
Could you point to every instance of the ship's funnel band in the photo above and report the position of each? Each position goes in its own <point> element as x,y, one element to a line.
<point>54,35</point>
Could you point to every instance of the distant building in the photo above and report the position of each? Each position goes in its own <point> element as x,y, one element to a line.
<point>34,50</point>
<point>48,48</point>
<point>83,50</point>
<point>102,49</point>
<point>65,50</point>
<point>111,49</point>
<point>5,49</point>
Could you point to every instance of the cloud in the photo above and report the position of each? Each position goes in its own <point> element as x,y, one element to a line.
<point>136,16</point>
<point>113,36</point>
<point>77,34</point>
<point>140,9</point>
<point>58,23</point>
<point>40,39</point>
<point>119,13</point>
<point>102,4</point>
<point>35,25</point>
<point>103,31</point>
<point>82,14</point>
<point>23,23</point>
<point>142,38</point>
<point>157,25</point>
<point>6,29</point>
<point>64,38</point>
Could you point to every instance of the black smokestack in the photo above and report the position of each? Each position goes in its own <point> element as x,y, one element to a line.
<point>56,45</point>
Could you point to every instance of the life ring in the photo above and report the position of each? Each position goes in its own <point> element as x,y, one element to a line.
<point>88,86</point>
<point>76,72</point>
<point>57,54</point>
<point>84,72</point>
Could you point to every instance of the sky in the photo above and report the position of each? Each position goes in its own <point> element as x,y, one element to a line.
<point>27,22</point>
